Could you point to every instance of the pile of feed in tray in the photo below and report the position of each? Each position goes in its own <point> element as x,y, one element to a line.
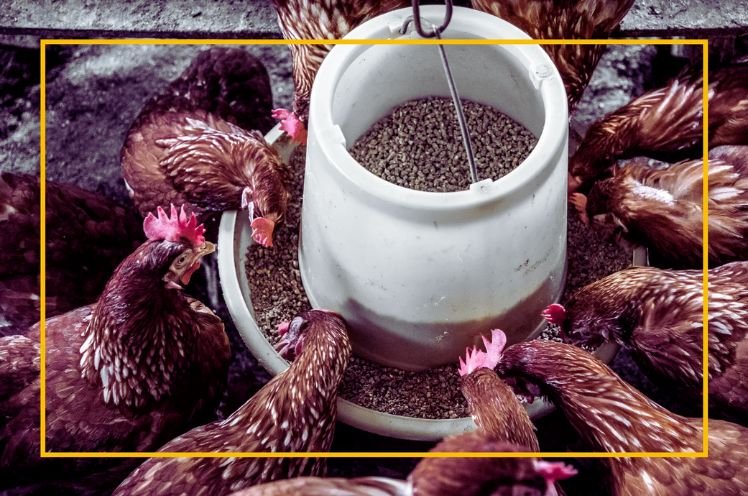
<point>278,295</point>
<point>419,145</point>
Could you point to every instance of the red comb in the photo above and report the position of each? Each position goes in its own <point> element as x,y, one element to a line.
<point>476,359</point>
<point>554,313</point>
<point>175,228</point>
<point>495,346</point>
<point>553,471</point>
<point>473,361</point>
<point>283,328</point>
<point>291,125</point>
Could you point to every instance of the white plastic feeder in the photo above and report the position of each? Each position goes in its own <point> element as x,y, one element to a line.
<point>418,275</point>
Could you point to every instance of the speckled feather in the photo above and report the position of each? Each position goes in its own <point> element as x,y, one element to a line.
<point>662,209</point>
<point>667,121</point>
<point>610,415</point>
<point>432,476</point>
<point>321,19</point>
<point>658,313</point>
<point>496,410</point>
<point>19,367</point>
<point>565,19</point>
<point>317,486</point>
<point>202,160</point>
<point>295,411</point>
<point>133,335</point>
<point>87,236</point>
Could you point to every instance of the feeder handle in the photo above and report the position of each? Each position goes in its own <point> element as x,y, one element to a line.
<point>437,29</point>
<point>464,131</point>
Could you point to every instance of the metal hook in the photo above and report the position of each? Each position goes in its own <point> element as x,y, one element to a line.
<point>417,20</point>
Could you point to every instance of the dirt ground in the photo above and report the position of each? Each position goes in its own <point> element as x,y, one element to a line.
<point>95,92</point>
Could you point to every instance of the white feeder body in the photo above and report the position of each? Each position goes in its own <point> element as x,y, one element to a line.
<point>419,275</point>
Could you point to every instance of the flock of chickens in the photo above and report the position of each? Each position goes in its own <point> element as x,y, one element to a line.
<point>133,364</point>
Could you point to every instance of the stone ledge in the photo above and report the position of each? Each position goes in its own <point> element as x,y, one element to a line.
<point>256,19</point>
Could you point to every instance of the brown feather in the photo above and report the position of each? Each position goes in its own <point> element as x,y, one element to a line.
<point>667,120</point>
<point>610,415</point>
<point>496,410</point>
<point>87,236</point>
<point>226,82</point>
<point>662,209</point>
<point>295,411</point>
<point>139,367</point>
<point>319,20</point>
<point>565,19</point>
<point>203,161</point>
<point>317,486</point>
<point>463,476</point>
<point>658,313</point>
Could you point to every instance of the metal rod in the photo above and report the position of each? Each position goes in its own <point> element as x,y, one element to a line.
<point>458,108</point>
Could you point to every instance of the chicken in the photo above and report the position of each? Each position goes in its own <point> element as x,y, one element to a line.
<point>610,415</point>
<point>140,366</point>
<point>666,121</point>
<point>494,407</point>
<point>295,411</point>
<point>564,19</point>
<point>662,209</point>
<point>87,236</point>
<point>658,314</point>
<point>208,163</point>
<point>197,143</point>
<point>317,19</point>
<point>440,476</point>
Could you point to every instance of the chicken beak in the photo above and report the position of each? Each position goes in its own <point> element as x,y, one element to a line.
<point>206,249</point>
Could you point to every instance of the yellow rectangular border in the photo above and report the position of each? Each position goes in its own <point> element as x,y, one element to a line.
<point>155,454</point>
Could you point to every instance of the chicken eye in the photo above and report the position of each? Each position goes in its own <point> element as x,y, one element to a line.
<point>182,260</point>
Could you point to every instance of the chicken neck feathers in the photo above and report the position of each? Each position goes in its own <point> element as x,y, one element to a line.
<point>497,411</point>
<point>613,416</point>
<point>295,411</point>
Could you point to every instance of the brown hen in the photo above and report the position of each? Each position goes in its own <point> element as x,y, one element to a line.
<point>205,162</point>
<point>87,236</point>
<point>128,373</point>
<point>666,121</point>
<point>295,411</point>
<point>658,314</point>
<point>199,142</point>
<point>564,19</point>
<point>661,208</point>
<point>495,409</point>
<point>318,20</point>
<point>440,476</point>
<point>612,416</point>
